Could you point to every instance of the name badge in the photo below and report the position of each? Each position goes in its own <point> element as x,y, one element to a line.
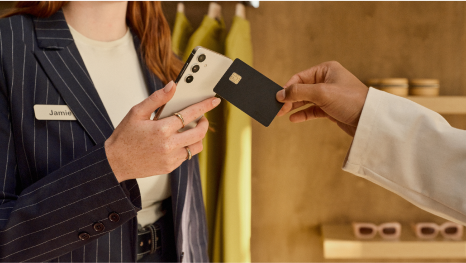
<point>53,112</point>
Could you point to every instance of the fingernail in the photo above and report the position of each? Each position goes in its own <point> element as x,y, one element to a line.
<point>216,101</point>
<point>168,87</point>
<point>281,94</point>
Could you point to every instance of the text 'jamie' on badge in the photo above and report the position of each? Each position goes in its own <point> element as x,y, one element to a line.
<point>53,112</point>
<point>235,78</point>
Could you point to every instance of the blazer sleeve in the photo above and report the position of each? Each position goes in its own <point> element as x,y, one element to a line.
<point>48,218</point>
<point>413,152</point>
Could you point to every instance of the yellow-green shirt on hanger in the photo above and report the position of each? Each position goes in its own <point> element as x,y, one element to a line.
<point>210,34</point>
<point>233,214</point>
<point>238,42</point>
<point>182,30</point>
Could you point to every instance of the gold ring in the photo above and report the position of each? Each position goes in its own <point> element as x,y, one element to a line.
<point>189,153</point>
<point>180,117</point>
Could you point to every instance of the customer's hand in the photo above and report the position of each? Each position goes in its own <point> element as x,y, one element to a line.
<point>140,147</point>
<point>335,92</point>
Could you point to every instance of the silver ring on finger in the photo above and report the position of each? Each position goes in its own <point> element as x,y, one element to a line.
<point>189,153</point>
<point>179,117</point>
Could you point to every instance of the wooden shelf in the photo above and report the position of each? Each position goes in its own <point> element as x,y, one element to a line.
<point>340,243</point>
<point>442,104</point>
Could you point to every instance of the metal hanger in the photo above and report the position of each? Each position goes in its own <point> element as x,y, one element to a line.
<point>240,10</point>
<point>215,11</point>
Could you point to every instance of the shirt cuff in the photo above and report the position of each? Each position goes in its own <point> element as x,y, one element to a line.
<point>356,154</point>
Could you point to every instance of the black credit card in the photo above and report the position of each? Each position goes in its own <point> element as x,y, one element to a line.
<point>250,91</point>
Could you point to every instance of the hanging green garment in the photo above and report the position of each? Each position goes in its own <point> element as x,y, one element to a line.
<point>211,34</point>
<point>182,30</point>
<point>231,241</point>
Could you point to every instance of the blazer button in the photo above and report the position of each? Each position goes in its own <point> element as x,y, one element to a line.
<point>114,217</point>
<point>84,236</point>
<point>98,227</point>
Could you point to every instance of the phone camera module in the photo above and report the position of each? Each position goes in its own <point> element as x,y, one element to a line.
<point>195,68</point>
<point>189,79</point>
<point>201,58</point>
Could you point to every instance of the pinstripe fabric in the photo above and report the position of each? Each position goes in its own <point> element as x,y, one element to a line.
<point>55,179</point>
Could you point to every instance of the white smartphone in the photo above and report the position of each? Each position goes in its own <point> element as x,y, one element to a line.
<point>196,81</point>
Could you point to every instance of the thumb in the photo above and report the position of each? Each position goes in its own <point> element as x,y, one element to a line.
<point>302,92</point>
<point>155,100</point>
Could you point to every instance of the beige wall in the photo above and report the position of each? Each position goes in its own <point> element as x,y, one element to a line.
<point>297,182</point>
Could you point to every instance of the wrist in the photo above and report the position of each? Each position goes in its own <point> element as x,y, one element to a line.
<point>113,161</point>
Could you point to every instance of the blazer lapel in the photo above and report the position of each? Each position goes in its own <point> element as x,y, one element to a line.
<point>61,61</point>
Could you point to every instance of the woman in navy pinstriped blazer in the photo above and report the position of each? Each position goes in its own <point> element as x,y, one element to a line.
<point>67,188</point>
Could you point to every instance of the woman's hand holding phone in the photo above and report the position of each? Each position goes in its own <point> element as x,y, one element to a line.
<point>140,147</point>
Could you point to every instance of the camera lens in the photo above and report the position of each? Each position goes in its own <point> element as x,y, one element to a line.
<point>201,58</point>
<point>189,79</point>
<point>195,68</point>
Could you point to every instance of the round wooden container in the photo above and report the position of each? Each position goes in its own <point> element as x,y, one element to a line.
<point>396,86</point>
<point>424,87</point>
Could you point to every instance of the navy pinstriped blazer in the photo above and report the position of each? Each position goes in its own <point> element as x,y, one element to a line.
<point>55,180</point>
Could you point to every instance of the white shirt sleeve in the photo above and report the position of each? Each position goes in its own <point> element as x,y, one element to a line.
<point>413,152</point>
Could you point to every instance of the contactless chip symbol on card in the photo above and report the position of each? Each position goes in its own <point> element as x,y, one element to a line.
<point>235,78</point>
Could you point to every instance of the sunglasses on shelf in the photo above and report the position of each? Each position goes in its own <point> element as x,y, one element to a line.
<point>391,230</point>
<point>450,230</point>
